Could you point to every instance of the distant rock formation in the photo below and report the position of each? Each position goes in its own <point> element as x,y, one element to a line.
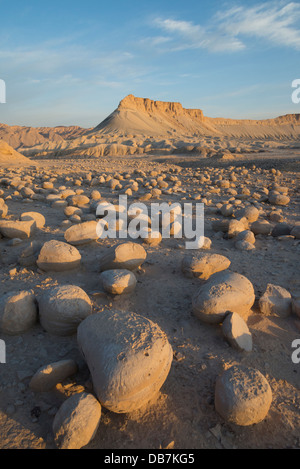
<point>140,115</point>
<point>143,126</point>
<point>144,116</point>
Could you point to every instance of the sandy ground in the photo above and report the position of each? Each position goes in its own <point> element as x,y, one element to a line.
<point>183,415</point>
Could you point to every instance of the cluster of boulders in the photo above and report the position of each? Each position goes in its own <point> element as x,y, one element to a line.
<point>260,216</point>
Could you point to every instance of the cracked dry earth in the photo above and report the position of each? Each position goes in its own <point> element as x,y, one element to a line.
<point>182,416</point>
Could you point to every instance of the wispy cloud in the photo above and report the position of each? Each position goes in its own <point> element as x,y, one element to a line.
<point>187,35</point>
<point>273,21</point>
<point>276,22</point>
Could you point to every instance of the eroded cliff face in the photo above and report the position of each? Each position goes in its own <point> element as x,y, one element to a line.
<point>149,106</point>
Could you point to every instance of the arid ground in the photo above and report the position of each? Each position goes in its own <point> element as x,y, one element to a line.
<point>183,414</point>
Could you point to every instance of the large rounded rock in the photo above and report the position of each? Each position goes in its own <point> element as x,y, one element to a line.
<point>242,396</point>
<point>58,256</point>
<point>118,281</point>
<point>76,421</point>
<point>251,213</point>
<point>275,198</point>
<point>78,200</point>
<point>63,308</point>
<point>82,233</point>
<point>247,236</point>
<point>236,226</point>
<point>261,227</point>
<point>18,312</point>
<point>129,358</point>
<point>202,265</point>
<point>123,256</point>
<point>223,292</point>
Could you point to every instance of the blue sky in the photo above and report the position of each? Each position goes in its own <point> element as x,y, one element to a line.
<point>71,62</point>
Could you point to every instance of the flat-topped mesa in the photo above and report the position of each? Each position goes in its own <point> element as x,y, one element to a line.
<point>150,106</point>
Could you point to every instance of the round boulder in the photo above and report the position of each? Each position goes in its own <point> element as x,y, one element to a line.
<point>76,421</point>
<point>129,358</point>
<point>63,308</point>
<point>118,281</point>
<point>203,265</point>
<point>18,312</point>
<point>78,200</point>
<point>123,256</point>
<point>251,213</point>
<point>58,256</point>
<point>223,292</point>
<point>261,227</point>
<point>275,198</point>
<point>82,233</point>
<point>242,396</point>
<point>247,236</point>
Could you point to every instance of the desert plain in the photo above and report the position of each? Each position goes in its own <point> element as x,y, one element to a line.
<point>246,173</point>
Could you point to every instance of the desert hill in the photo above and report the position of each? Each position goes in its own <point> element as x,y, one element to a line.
<point>10,156</point>
<point>25,137</point>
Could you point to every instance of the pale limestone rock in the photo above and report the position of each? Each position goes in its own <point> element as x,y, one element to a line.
<point>242,396</point>
<point>129,358</point>
<point>76,421</point>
